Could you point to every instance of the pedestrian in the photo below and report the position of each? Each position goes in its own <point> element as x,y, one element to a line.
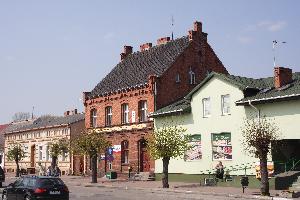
<point>219,170</point>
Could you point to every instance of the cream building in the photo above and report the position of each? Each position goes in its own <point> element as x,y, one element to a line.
<point>36,136</point>
<point>214,112</point>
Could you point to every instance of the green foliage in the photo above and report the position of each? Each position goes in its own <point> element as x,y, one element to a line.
<point>60,147</point>
<point>168,142</point>
<point>90,143</point>
<point>15,153</point>
<point>258,135</point>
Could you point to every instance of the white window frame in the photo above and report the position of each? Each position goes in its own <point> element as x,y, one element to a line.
<point>192,77</point>
<point>143,111</point>
<point>94,118</point>
<point>40,152</point>
<point>225,109</point>
<point>206,112</point>
<point>125,113</point>
<point>108,116</point>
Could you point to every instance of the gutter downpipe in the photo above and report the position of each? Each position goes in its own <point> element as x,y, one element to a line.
<point>258,111</point>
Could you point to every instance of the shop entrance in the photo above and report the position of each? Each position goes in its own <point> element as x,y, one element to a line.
<point>286,156</point>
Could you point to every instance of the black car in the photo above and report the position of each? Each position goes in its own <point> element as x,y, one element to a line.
<point>36,188</point>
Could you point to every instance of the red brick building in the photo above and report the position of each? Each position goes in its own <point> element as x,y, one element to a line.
<point>139,84</point>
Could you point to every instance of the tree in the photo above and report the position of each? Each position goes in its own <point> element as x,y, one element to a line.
<point>21,116</point>
<point>90,143</point>
<point>60,147</point>
<point>168,142</point>
<point>16,153</point>
<point>258,134</point>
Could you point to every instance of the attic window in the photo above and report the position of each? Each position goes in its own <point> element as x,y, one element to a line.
<point>192,77</point>
<point>177,78</point>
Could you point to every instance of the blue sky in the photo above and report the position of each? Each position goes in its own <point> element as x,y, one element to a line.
<point>52,51</point>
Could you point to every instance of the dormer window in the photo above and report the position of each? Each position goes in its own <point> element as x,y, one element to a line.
<point>177,78</point>
<point>192,76</point>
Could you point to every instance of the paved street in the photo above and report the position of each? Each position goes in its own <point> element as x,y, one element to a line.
<point>81,188</point>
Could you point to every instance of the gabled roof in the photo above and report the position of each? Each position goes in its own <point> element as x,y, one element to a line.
<point>44,122</point>
<point>263,88</point>
<point>135,68</point>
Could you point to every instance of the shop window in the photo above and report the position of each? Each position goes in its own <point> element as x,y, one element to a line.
<point>124,152</point>
<point>108,116</point>
<point>124,113</point>
<point>195,153</point>
<point>93,118</point>
<point>221,146</point>
<point>225,104</point>
<point>143,111</point>
<point>206,107</point>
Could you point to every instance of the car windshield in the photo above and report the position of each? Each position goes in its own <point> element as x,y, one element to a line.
<point>46,182</point>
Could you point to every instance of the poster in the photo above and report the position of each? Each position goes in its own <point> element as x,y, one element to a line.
<point>117,148</point>
<point>270,166</point>
<point>195,153</point>
<point>221,146</point>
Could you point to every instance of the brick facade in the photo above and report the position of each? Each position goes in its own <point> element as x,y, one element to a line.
<point>158,91</point>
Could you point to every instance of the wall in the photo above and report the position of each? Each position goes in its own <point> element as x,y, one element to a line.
<point>199,57</point>
<point>195,123</point>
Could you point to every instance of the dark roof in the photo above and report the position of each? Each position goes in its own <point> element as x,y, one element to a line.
<point>263,90</point>
<point>43,122</point>
<point>135,68</point>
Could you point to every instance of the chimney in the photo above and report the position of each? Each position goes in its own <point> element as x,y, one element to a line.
<point>145,46</point>
<point>196,33</point>
<point>127,50</point>
<point>282,76</point>
<point>163,40</point>
<point>67,113</point>
<point>74,112</point>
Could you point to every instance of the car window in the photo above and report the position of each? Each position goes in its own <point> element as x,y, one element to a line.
<point>31,182</point>
<point>18,182</point>
<point>26,181</point>
<point>45,182</point>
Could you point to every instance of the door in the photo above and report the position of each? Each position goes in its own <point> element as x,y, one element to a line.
<point>144,157</point>
<point>32,156</point>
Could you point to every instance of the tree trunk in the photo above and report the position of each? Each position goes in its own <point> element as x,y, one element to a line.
<point>53,162</point>
<point>94,168</point>
<point>165,177</point>
<point>18,169</point>
<point>264,185</point>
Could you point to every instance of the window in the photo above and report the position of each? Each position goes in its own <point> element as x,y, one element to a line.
<point>125,113</point>
<point>40,153</point>
<point>221,146</point>
<point>206,107</point>
<point>124,152</point>
<point>143,111</point>
<point>177,79</point>
<point>47,153</point>
<point>93,118</point>
<point>108,116</point>
<point>225,101</point>
<point>192,77</point>
<point>195,153</point>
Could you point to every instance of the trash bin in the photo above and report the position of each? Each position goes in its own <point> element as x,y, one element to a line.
<point>111,175</point>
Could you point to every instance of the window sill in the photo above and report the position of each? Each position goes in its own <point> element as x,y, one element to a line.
<point>125,164</point>
<point>226,114</point>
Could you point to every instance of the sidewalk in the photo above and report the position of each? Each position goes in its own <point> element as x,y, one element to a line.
<point>174,187</point>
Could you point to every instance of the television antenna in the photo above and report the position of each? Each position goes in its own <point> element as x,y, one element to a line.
<point>275,43</point>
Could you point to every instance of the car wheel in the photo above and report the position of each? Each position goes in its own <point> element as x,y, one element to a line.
<point>4,197</point>
<point>27,197</point>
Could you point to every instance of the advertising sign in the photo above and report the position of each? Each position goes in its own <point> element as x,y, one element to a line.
<point>195,153</point>
<point>221,146</point>
<point>270,167</point>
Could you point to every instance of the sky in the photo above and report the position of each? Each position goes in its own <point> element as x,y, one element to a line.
<point>53,50</point>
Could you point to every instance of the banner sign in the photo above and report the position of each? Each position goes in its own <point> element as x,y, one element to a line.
<point>221,146</point>
<point>195,153</point>
<point>117,148</point>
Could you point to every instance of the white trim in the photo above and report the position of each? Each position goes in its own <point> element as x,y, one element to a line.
<point>167,112</point>
<point>270,98</point>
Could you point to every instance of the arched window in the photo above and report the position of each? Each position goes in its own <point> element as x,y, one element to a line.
<point>124,152</point>
<point>192,77</point>
<point>93,118</point>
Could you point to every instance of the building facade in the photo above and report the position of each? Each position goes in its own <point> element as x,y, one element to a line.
<point>2,129</point>
<point>214,113</point>
<point>36,136</point>
<point>139,84</point>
